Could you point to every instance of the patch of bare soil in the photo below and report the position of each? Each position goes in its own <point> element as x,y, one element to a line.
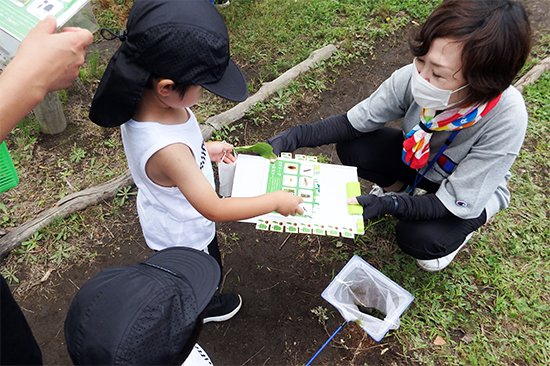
<point>279,276</point>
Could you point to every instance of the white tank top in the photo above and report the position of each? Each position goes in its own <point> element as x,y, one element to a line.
<point>167,218</point>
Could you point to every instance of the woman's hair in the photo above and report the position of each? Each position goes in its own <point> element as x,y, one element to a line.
<point>496,38</point>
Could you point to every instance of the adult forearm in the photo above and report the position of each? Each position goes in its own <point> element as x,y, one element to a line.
<point>330,130</point>
<point>426,207</point>
<point>19,94</point>
<point>404,207</point>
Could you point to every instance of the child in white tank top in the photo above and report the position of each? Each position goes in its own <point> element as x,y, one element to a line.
<point>170,52</point>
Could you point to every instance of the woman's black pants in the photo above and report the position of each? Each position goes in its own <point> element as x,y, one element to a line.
<point>377,156</point>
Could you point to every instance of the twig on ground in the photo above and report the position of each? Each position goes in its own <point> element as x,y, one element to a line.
<point>224,277</point>
<point>356,352</point>
<point>284,242</point>
<point>318,247</point>
<point>110,232</point>
<point>226,329</point>
<point>74,284</point>
<point>270,287</point>
<point>254,355</point>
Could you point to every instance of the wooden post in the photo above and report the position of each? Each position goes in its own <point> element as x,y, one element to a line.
<point>50,115</point>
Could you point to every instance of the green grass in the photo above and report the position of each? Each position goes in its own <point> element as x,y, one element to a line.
<point>275,36</point>
<point>92,69</point>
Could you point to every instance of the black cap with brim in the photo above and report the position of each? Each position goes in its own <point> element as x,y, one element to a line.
<point>121,88</point>
<point>200,269</point>
<point>232,85</point>
<point>144,314</point>
<point>185,41</point>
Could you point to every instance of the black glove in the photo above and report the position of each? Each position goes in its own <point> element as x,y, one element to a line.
<point>426,207</point>
<point>374,206</point>
<point>286,141</point>
<point>333,129</point>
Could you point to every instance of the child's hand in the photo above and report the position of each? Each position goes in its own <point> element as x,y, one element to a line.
<point>287,203</point>
<point>220,151</point>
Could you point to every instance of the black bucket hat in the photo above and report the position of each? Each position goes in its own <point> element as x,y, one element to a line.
<point>182,40</point>
<point>143,314</point>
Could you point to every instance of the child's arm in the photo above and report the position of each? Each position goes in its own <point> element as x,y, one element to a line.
<point>175,165</point>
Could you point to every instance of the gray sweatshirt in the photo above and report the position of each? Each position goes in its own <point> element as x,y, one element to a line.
<point>484,152</point>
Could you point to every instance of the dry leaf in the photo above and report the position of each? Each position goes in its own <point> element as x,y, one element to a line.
<point>467,338</point>
<point>46,275</point>
<point>439,341</point>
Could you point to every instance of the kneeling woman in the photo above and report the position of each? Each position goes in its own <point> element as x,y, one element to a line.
<point>463,124</point>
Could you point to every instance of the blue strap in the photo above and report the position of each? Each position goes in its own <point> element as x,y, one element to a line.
<point>420,176</point>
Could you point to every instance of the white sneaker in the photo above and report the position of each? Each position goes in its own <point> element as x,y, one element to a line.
<point>222,3</point>
<point>377,191</point>
<point>419,192</point>
<point>434,265</point>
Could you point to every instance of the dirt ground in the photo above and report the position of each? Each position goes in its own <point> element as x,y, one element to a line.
<point>279,276</point>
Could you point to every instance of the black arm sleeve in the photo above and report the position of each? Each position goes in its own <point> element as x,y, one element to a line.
<point>426,207</point>
<point>330,130</point>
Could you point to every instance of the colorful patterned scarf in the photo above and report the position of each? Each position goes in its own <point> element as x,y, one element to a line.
<point>416,147</point>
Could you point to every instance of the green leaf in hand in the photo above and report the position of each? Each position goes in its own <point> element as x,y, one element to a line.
<point>261,148</point>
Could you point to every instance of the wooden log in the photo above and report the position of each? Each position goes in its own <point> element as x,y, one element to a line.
<point>533,74</point>
<point>71,203</point>
<point>50,116</point>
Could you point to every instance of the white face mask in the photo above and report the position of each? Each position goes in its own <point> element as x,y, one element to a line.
<point>427,95</point>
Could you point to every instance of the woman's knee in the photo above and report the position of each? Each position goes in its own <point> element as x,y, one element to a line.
<point>344,153</point>
<point>420,241</point>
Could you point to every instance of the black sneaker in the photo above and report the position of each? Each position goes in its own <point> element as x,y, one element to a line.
<point>222,307</point>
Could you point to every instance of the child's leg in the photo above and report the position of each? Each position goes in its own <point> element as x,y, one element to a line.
<point>222,306</point>
<point>214,250</point>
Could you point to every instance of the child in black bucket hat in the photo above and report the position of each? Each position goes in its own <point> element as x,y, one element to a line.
<point>173,49</point>
<point>143,314</point>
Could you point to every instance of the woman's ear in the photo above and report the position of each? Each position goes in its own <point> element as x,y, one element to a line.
<point>164,87</point>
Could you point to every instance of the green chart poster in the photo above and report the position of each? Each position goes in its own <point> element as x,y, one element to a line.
<point>20,16</point>
<point>324,188</point>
